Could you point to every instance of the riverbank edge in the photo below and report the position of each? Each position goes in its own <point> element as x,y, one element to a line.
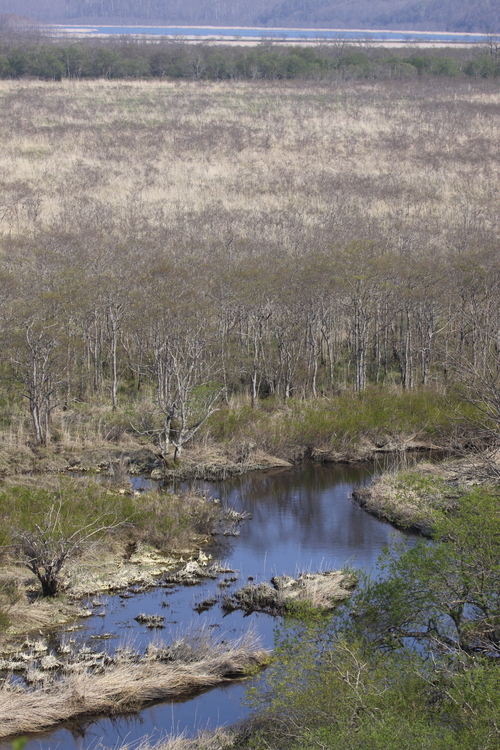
<point>416,499</point>
<point>163,673</point>
<point>202,463</point>
<point>211,463</point>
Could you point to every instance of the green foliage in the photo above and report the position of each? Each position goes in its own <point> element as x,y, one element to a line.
<point>306,612</point>
<point>358,682</point>
<point>47,527</point>
<point>230,423</point>
<point>444,594</point>
<point>374,412</point>
<point>112,59</point>
<point>351,698</point>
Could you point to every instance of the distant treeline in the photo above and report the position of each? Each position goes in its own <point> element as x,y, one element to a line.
<point>51,60</point>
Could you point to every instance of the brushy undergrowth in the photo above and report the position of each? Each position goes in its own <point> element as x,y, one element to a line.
<point>163,520</point>
<point>341,422</point>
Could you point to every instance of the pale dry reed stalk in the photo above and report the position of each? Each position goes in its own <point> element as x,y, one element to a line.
<point>128,687</point>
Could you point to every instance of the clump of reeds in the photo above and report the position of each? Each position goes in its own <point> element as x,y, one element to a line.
<point>319,590</point>
<point>220,739</point>
<point>173,672</point>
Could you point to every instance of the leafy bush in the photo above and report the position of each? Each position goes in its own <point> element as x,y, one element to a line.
<point>360,683</point>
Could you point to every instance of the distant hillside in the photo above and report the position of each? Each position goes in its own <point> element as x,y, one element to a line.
<point>450,15</point>
<point>420,15</point>
<point>238,12</point>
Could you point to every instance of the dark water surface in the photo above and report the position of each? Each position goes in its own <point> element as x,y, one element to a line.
<point>302,519</point>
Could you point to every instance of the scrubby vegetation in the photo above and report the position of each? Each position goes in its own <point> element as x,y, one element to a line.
<point>66,505</point>
<point>54,60</point>
<point>144,300</point>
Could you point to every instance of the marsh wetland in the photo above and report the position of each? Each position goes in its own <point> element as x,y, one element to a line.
<point>300,519</point>
<point>202,280</point>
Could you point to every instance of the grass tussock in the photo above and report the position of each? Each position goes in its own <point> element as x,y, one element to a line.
<point>285,595</point>
<point>221,739</point>
<point>124,688</point>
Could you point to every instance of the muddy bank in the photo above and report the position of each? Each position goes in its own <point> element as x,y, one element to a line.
<point>416,499</point>
<point>28,611</point>
<point>132,458</point>
<point>212,463</point>
<point>127,682</point>
<point>366,450</point>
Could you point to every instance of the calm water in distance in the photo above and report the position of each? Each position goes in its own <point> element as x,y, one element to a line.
<point>277,34</point>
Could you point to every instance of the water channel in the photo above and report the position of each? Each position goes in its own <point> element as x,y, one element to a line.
<point>301,519</point>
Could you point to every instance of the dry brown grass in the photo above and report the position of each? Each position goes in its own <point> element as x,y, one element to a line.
<point>251,163</point>
<point>128,687</point>
<point>321,591</point>
<point>24,615</point>
<point>324,589</point>
<point>221,739</point>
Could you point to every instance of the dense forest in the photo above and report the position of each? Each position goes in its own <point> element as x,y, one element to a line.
<point>430,15</point>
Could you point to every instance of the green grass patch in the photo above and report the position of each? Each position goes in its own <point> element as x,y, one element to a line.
<point>341,421</point>
<point>69,505</point>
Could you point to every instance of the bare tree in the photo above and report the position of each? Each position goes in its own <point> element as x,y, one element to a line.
<point>46,549</point>
<point>35,369</point>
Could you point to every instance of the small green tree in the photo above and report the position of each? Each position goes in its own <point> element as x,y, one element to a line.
<point>442,594</point>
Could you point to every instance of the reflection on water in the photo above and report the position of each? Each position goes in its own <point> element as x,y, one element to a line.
<point>302,518</point>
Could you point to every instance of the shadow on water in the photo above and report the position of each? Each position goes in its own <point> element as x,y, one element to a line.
<point>301,519</point>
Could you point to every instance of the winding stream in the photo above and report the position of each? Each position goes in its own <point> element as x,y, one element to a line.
<point>301,519</point>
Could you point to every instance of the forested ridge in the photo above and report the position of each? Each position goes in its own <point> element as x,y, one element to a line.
<point>462,16</point>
